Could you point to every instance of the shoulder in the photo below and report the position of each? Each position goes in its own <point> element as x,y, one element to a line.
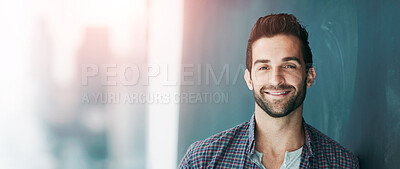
<point>327,149</point>
<point>217,147</point>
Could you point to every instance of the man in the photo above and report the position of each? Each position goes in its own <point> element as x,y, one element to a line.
<point>279,70</point>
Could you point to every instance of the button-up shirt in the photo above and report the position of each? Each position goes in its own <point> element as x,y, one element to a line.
<point>232,149</point>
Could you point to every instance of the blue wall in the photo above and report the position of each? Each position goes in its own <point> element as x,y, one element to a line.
<point>356,97</point>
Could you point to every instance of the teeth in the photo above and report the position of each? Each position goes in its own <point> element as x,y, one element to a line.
<point>277,93</point>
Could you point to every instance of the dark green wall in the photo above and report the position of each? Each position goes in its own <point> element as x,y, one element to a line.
<point>356,97</point>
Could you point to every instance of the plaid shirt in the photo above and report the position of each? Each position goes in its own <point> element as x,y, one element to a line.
<point>232,149</point>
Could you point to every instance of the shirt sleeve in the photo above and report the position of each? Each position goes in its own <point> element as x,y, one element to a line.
<point>186,160</point>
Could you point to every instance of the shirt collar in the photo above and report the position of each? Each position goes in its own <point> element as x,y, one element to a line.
<point>307,147</point>
<point>308,141</point>
<point>252,125</point>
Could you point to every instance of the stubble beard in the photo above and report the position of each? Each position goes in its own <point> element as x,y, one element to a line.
<point>280,108</point>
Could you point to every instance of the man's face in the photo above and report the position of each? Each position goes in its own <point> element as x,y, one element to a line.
<point>278,75</point>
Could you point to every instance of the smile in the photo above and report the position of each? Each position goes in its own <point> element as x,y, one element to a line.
<point>278,93</point>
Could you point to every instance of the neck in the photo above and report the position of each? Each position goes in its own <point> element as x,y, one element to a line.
<point>278,135</point>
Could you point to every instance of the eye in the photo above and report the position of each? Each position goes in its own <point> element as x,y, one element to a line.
<point>263,68</point>
<point>290,66</point>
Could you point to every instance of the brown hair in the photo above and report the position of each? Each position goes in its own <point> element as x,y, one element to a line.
<point>274,24</point>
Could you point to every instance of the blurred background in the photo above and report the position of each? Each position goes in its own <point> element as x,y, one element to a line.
<point>132,83</point>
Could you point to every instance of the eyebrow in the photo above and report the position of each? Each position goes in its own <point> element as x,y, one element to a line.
<point>284,60</point>
<point>292,58</point>
<point>261,61</point>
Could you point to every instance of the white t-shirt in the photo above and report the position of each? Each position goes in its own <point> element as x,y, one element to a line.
<point>291,161</point>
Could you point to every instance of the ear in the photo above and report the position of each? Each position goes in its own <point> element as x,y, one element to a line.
<point>247,78</point>
<point>310,76</point>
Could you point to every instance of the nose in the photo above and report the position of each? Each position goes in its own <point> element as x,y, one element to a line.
<point>276,77</point>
